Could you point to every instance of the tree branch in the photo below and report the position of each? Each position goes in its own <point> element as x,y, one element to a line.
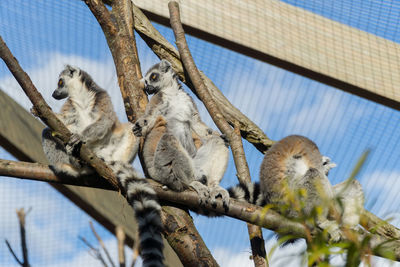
<point>121,42</point>
<point>120,234</point>
<point>96,252</point>
<point>268,219</point>
<point>101,244</point>
<point>21,219</point>
<point>183,237</point>
<point>164,50</point>
<point>234,137</point>
<point>13,253</point>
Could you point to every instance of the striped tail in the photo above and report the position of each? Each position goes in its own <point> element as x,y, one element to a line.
<point>248,192</point>
<point>144,201</point>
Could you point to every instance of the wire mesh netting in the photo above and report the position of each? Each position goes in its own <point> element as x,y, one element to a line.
<point>46,35</point>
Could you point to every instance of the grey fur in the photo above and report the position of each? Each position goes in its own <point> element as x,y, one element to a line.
<point>296,161</point>
<point>89,115</point>
<point>177,162</point>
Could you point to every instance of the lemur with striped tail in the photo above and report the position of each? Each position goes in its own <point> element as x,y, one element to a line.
<point>89,115</point>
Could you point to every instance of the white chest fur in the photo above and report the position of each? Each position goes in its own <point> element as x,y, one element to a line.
<point>178,105</point>
<point>83,101</point>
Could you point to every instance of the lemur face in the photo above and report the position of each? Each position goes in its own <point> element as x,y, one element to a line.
<point>158,77</point>
<point>65,77</point>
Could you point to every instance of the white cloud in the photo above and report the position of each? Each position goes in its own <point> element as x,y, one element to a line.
<point>288,255</point>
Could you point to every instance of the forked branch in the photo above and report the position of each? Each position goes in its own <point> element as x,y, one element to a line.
<point>21,214</point>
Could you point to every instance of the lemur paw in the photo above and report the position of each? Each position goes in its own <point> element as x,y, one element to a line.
<point>202,191</point>
<point>226,140</point>
<point>74,144</point>
<point>222,193</point>
<point>327,164</point>
<point>139,127</point>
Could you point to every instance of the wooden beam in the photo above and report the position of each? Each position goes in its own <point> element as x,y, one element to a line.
<point>20,135</point>
<point>296,40</point>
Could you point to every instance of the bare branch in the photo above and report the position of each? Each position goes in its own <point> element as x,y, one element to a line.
<point>101,244</point>
<point>13,253</point>
<point>164,50</point>
<point>234,137</point>
<point>47,116</point>
<point>135,253</point>
<point>238,210</point>
<point>119,232</point>
<point>95,251</point>
<point>21,219</point>
<point>184,238</point>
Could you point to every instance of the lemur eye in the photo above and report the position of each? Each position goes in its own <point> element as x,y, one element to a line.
<point>60,82</point>
<point>153,77</point>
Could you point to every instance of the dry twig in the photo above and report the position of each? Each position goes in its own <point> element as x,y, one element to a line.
<point>21,219</point>
<point>94,252</point>
<point>120,234</point>
<point>101,244</point>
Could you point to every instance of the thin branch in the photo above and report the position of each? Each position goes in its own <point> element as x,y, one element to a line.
<point>48,117</point>
<point>96,252</point>
<point>13,253</point>
<point>238,210</point>
<point>101,244</point>
<point>21,219</point>
<point>234,137</point>
<point>120,234</point>
<point>135,253</point>
<point>164,50</point>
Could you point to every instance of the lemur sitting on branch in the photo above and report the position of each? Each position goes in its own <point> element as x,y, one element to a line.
<point>89,115</point>
<point>180,151</point>
<point>295,163</point>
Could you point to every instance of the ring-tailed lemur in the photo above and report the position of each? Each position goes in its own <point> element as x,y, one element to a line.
<point>172,157</point>
<point>295,163</point>
<point>89,115</point>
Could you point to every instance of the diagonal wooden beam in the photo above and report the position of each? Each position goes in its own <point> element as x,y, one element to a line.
<point>20,135</point>
<point>296,40</point>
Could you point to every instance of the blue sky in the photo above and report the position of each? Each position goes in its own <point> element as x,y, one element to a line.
<point>45,35</point>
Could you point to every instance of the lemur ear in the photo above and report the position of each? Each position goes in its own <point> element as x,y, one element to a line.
<point>71,70</point>
<point>165,65</point>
